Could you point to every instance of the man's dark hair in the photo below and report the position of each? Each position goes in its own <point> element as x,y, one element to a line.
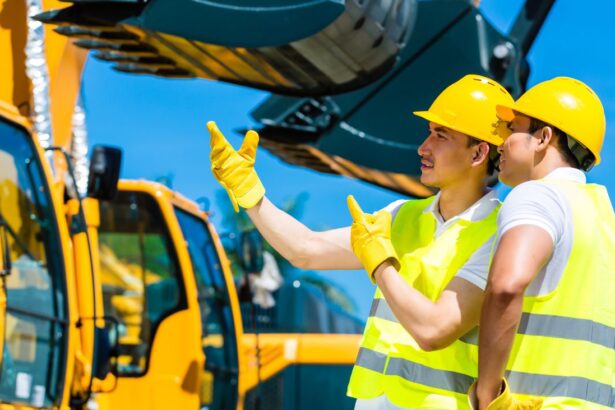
<point>493,157</point>
<point>561,140</point>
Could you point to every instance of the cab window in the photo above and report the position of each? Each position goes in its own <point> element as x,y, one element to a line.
<point>36,314</point>
<point>140,274</point>
<point>218,332</point>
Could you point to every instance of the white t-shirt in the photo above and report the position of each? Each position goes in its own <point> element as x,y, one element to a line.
<point>476,269</point>
<point>539,204</point>
<point>377,403</point>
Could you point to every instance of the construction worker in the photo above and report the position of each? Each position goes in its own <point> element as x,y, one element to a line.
<point>549,312</point>
<point>429,257</point>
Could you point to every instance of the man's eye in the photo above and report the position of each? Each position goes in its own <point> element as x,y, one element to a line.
<point>441,136</point>
<point>509,126</point>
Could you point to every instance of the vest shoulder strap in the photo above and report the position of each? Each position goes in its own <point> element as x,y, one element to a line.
<point>412,216</point>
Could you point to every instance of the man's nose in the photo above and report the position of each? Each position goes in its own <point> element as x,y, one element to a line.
<point>424,147</point>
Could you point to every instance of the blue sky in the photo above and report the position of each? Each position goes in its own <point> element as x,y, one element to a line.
<point>160,123</point>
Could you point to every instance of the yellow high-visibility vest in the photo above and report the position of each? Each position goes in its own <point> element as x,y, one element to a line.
<point>564,349</point>
<point>390,361</point>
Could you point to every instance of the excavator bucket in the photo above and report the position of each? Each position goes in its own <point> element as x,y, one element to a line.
<point>291,47</point>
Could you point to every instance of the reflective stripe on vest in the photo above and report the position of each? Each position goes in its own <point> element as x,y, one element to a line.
<point>390,361</point>
<point>371,360</point>
<point>562,386</point>
<point>440,379</point>
<point>565,345</point>
<point>567,328</point>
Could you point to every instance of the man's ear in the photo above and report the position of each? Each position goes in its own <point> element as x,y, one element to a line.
<point>544,138</point>
<point>481,153</point>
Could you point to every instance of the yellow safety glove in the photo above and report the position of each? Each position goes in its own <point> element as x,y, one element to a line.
<point>506,400</point>
<point>234,170</point>
<point>370,238</point>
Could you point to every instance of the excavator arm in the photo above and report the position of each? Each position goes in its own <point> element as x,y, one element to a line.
<point>344,82</point>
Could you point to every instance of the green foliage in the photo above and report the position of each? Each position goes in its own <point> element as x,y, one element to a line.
<point>127,248</point>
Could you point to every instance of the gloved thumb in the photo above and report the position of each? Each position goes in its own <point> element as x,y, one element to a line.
<point>249,145</point>
<point>355,210</point>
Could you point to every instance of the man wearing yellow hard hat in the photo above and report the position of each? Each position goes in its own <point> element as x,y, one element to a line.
<point>548,319</point>
<point>428,257</point>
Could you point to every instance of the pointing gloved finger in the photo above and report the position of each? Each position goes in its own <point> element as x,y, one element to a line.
<point>220,147</point>
<point>216,139</point>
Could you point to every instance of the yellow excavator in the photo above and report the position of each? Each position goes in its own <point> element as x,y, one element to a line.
<point>84,321</point>
<point>54,345</point>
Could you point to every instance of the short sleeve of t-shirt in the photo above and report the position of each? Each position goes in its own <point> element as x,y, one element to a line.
<point>534,203</point>
<point>394,207</point>
<point>540,204</point>
<point>476,269</point>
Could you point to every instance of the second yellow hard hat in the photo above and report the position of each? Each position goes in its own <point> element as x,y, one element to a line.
<point>567,104</point>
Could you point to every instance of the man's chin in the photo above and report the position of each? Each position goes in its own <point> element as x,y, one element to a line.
<point>507,180</point>
<point>428,182</point>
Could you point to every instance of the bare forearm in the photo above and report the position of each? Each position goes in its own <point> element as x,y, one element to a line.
<point>500,317</point>
<point>434,325</point>
<point>413,310</point>
<point>300,245</point>
<point>281,230</point>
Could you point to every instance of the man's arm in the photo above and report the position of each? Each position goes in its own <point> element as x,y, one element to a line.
<point>304,248</point>
<point>521,253</point>
<point>300,245</point>
<point>434,325</point>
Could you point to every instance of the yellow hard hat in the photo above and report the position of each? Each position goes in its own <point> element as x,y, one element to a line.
<point>567,104</point>
<point>468,106</point>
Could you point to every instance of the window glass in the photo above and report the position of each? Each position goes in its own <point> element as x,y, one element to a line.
<point>35,323</point>
<point>216,315</point>
<point>140,274</point>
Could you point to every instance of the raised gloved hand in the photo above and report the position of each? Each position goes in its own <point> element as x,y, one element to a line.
<point>506,400</point>
<point>234,170</point>
<point>370,237</point>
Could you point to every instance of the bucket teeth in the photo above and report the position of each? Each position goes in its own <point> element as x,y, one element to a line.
<point>111,33</point>
<point>96,15</point>
<point>112,46</point>
<point>139,69</point>
<point>71,16</point>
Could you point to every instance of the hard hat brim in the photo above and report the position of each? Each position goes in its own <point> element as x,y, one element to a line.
<point>505,112</point>
<point>431,117</point>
